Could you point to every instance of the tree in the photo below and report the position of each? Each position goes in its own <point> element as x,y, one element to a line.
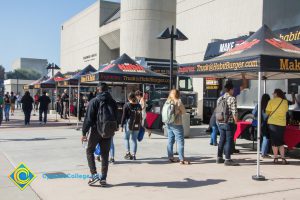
<point>25,74</point>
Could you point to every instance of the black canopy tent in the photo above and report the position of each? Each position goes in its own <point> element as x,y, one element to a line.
<point>31,85</point>
<point>262,56</point>
<point>125,70</point>
<point>74,81</point>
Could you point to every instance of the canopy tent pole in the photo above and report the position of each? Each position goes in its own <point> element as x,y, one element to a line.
<point>56,103</point>
<point>265,85</point>
<point>69,104</point>
<point>78,100</point>
<point>258,176</point>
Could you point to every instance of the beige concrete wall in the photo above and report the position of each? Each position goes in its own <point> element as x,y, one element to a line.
<point>141,22</point>
<point>79,40</point>
<point>204,20</point>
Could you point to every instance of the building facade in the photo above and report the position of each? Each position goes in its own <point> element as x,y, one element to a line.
<point>105,30</point>
<point>16,86</point>
<point>38,65</point>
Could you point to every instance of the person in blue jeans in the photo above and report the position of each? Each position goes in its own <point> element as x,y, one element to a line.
<point>111,152</point>
<point>132,121</point>
<point>265,135</point>
<point>227,126</point>
<point>6,107</point>
<point>175,129</point>
<point>214,130</point>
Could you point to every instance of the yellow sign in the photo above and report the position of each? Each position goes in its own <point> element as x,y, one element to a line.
<point>88,78</point>
<point>22,176</point>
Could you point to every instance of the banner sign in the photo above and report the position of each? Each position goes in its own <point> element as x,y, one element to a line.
<point>211,83</point>
<point>215,49</point>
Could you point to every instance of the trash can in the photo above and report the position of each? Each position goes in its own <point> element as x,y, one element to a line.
<point>186,126</point>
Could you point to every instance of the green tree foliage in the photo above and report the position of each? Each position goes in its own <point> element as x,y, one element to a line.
<point>25,74</point>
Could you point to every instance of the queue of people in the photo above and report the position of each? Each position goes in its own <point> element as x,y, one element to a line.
<point>274,114</point>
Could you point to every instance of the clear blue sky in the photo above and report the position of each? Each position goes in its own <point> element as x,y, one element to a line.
<point>31,28</point>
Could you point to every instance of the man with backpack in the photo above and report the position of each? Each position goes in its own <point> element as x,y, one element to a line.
<point>226,117</point>
<point>101,118</point>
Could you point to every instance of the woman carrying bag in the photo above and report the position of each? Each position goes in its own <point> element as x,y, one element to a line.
<point>277,110</point>
<point>172,117</point>
<point>132,120</point>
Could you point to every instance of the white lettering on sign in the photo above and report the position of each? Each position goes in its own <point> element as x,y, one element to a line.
<point>226,47</point>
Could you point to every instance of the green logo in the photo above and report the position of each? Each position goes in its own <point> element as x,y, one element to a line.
<point>22,176</point>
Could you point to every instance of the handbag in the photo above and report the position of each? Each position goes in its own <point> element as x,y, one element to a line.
<point>141,134</point>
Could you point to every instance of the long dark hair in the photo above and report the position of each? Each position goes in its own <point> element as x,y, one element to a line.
<point>279,93</point>
<point>264,101</point>
<point>27,93</point>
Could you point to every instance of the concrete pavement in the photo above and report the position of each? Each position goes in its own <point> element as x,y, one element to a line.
<point>56,148</point>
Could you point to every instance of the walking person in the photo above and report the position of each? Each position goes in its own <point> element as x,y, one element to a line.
<point>27,102</point>
<point>19,98</point>
<point>81,107</point>
<point>1,108</point>
<point>44,102</point>
<point>140,96</point>
<point>101,117</point>
<point>172,117</point>
<point>264,129</point>
<point>226,116</point>
<point>214,130</point>
<point>13,100</point>
<point>277,109</point>
<point>132,121</point>
<point>65,104</point>
<point>36,102</point>
<point>6,106</point>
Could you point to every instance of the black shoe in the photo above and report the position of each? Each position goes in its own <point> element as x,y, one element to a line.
<point>230,163</point>
<point>112,161</point>
<point>98,158</point>
<point>128,156</point>
<point>220,160</point>
<point>94,179</point>
<point>210,144</point>
<point>133,158</point>
<point>103,183</point>
<point>236,151</point>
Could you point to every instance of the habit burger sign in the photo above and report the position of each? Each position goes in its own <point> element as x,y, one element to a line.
<point>126,67</point>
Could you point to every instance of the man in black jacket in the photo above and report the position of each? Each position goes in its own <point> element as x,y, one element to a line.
<point>44,101</point>
<point>90,122</point>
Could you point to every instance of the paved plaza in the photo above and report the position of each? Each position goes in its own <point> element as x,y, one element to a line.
<point>56,148</point>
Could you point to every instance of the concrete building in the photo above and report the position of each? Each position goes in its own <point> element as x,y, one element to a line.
<point>14,85</point>
<point>103,31</point>
<point>38,65</point>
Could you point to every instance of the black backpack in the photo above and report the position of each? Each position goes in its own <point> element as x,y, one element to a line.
<point>107,119</point>
<point>135,119</point>
<point>222,110</point>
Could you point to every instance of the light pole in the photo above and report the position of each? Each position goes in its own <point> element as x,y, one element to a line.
<point>53,67</point>
<point>173,35</point>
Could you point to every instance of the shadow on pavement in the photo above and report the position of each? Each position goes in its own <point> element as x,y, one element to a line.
<point>30,139</point>
<point>187,183</point>
<point>18,123</point>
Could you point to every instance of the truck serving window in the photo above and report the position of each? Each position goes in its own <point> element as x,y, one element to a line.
<point>185,83</point>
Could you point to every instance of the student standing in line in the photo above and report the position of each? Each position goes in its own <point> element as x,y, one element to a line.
<point>277,109</point>
<point>172,116</point>
<point>226,116</point>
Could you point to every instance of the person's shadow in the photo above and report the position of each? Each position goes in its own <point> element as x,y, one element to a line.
<point>187,183</point>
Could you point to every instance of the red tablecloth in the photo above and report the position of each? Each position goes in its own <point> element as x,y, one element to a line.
<point>240,127</point>
<point>292,136</point>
